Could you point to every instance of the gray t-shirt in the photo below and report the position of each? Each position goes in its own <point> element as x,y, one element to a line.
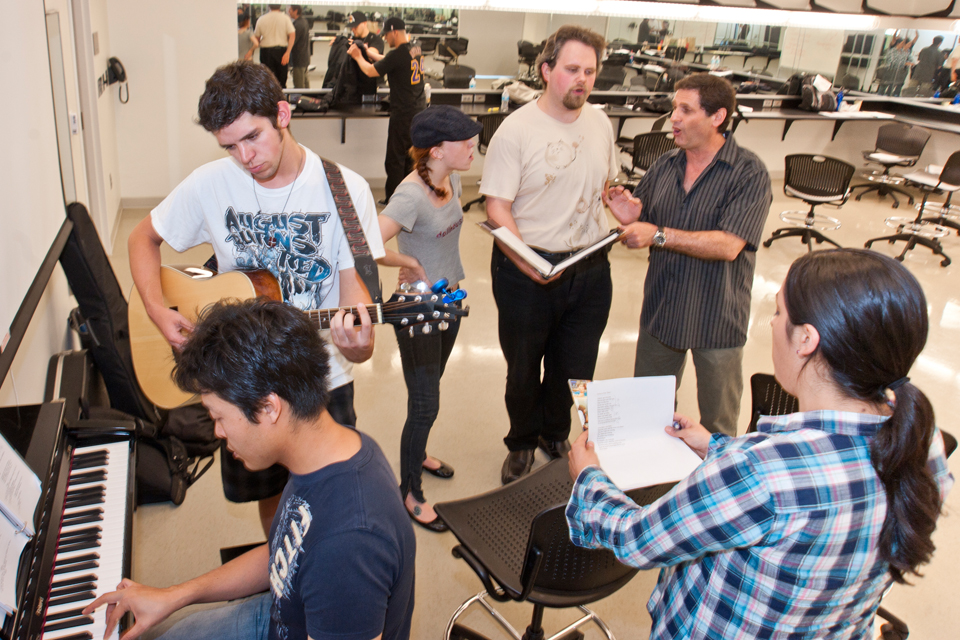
<point>430,234</point>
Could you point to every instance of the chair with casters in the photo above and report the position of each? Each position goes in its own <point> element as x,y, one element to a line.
<point>449,50</point>
<point>938,180</point>
<point>491,122</point>
<point>458,76</point>
<point>926,231</point>
<point>815,179</point>
<point>428,46</point>
<point>610,77</point>
<point>527,53</point>
<point>644,150</point>
<point>898,145</point>
<point>515,538</point>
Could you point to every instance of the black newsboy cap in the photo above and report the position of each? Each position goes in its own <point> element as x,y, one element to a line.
<point>442,123</point>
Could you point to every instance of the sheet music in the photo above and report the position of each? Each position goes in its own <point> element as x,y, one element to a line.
<point>19,489</point>
<point>627,417</point>
<point>11,546</point>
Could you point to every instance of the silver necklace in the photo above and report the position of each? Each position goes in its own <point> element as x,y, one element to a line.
<point>289,193</point>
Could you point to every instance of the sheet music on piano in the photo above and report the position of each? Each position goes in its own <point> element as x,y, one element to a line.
<point>19,493</point>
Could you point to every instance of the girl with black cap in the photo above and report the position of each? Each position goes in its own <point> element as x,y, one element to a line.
<point>425,215</point>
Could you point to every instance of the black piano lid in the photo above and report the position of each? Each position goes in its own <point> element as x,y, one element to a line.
<point>33,431</point>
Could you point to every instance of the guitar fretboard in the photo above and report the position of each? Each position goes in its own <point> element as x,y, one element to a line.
<point>322,317</point>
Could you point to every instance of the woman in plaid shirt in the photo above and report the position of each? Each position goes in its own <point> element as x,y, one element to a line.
<point>798,529</point>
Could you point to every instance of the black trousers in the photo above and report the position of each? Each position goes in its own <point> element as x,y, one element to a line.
<point>271,57</point>
<point>559,325</point>
<point>397,161</point>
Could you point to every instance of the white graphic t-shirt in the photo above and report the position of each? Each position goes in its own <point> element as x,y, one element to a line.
<point>300,240</point>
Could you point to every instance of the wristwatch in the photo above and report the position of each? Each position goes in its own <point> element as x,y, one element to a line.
<point>660,237</point>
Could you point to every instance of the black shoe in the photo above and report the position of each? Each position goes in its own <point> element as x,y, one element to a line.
<point>382,203</point>
<point>436,525</point>
<point>443,471</point>
<point>554,448</point>
<point>517,465</point>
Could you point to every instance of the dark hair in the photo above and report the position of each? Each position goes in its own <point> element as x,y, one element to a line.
<point>715,93</point>
<point>244,351</point>
<point>563,35</point>
<point>420,157</point>
<point>937,39</point>
<point>237,88</point>
<point>871,315</point>
<point>296,7</point>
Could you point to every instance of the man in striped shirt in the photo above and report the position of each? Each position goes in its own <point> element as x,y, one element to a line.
<point>701,211</point>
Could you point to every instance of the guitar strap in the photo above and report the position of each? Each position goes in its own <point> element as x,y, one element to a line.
<point>362,258</point>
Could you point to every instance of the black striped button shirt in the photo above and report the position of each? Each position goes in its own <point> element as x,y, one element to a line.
<point>689,303</point>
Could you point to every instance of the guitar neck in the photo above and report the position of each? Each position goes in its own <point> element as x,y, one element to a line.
<point>322,317</point>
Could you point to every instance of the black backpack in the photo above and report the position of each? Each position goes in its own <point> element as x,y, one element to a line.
<point>812,99</point>
<point>794,84</point>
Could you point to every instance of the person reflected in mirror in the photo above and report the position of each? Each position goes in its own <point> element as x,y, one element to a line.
<point>796,530</point>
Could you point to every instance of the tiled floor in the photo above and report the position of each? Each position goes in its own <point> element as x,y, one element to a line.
<point>174,544</point>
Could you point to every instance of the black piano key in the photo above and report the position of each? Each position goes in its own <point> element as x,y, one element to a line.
<point>84,501</point>
<point>86,557</point>
<point>87,477</point>
<point>83,517</point>
<point>67,536</point>
<point>88,460</point>
<point>90,543</point>
<point>75,597</point>
<point>66,613</point>
<point>68,581</point>
<point>76,588</point>
<point>70,568</point>
<point>68,624</point>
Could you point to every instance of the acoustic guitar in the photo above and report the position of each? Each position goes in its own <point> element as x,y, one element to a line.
<point>189,290</point>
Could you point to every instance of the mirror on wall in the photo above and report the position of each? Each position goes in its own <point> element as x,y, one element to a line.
<point>865,61</point>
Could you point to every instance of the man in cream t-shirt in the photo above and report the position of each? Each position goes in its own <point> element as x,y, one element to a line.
<point>268,206</point>
<point>543,177</point>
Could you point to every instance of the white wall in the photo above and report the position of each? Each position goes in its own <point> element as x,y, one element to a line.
<point>493,41</point>
<point>33,207</point>
<point>169,49</point>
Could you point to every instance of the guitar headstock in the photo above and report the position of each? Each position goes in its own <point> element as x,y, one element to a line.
<point>422,311</point>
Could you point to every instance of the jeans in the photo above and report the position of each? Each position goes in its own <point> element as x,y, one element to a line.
<point>245,619</point>
<point>424,357</point>
<point>557,324</point>
<point>719,378</point>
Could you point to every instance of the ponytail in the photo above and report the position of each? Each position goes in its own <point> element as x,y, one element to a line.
<point>899,454</point>
<point>420,157</point>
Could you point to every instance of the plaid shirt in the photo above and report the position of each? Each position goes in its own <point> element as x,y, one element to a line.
<point>774,535</point>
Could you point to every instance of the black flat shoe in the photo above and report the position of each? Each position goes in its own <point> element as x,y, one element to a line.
<point>443,471</point>
<point>436,525</point>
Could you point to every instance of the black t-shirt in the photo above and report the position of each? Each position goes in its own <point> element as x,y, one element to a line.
<point>300,54</point>
<point>404,74</point>
<point>375,41</point>
<point>342,553</point>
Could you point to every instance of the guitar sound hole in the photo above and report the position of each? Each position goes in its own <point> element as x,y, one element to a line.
<point>175,308</point>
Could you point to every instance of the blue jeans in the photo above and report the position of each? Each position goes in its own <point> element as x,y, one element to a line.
<point>245,619</point>
<point>424,357</point>
<point>557,324</point>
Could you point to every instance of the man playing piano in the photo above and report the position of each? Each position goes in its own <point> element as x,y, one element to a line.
<point>268,206</point>
<point>339,561</point>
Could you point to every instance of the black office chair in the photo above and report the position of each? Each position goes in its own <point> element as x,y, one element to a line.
<point>816,180</point>
<point>644,150</point>
<point>428,46</point>
<point>610,77</point>
<point>527,53</point>
<point>458,76</point>
<point>516,540</point>
<point>491,122</point>
<point>926,231</point>
<point>946,181</point>
<point>450,49</point>
<point>898,145</point>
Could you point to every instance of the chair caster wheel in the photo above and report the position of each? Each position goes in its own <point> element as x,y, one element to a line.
<point>767,243</point>
<point>945,262</point>
<point>899,258</point>
<point>819,241</point>
<point>858,197</point>
<point>896,205</point>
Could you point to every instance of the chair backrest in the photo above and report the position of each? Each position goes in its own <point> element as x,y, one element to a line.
<point>491,122</point>
<point>659,122</point>
<point>647,147</point>
<point>457,76</point>
<point>451,48</point>
<point>609,77</point>
<point>818,176</point>
<point>951,170</point>
<point>528,52</point>
<point>427,45</point>
<point>768,398</point>
<point>902,139</point>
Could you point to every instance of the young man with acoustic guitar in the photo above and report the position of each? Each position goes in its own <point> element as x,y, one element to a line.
<point>268,206</point>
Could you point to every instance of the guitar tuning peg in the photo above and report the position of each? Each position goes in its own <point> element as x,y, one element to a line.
<point>410,332</point>
<point>404,286</point>
<point>402,298</point>
<point>420,317</point>
<point>418,299</point>
<point>435,314</point>
<point>443,325</point>
<point>426,329</point>
<point>404,322</point>
<point>434,298</point>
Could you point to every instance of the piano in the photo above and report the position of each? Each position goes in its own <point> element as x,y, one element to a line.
<point>84,520</point>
